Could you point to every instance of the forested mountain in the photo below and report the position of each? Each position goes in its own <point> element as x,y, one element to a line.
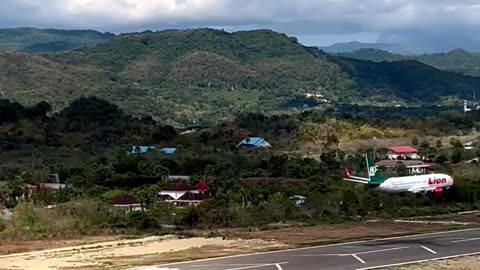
<point>349,47</point>
<point>458,60</point>
<point>34,40</point>
<point>204,75</point>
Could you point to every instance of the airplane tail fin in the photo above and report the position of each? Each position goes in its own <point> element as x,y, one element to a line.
<point>375,176</point>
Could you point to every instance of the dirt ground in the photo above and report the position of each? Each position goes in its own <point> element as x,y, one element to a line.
<point>468,263</point>
<point>156,250</point>
<point>127,253</point>
<point>472,217</point>
<point>15,246</point>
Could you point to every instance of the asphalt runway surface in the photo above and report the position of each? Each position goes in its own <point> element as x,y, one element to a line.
<point>360,255</point>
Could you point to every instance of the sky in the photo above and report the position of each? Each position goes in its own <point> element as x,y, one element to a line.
<point>314,22</point>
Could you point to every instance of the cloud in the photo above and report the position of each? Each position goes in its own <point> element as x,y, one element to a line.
<point>392,19</point>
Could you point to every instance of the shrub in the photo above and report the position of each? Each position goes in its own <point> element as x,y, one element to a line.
<point>141,220</point>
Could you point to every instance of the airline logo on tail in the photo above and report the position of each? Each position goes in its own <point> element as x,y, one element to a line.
<point>372,171</point>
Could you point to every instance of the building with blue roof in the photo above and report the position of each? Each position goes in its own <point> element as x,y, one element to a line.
<point>254,142</point>
<point>141,150</point>
<point>169,151</point>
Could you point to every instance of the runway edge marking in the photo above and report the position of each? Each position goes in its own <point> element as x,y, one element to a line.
<point>358,258</point>
<point>429,249</point>
<point>465,240</point>
<point>420,261</point>
<point>321,246</point>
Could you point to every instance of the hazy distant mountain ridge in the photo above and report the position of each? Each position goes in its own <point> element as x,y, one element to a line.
<point>348,47</point>
<point>458,60</point>
<point>34,40</point>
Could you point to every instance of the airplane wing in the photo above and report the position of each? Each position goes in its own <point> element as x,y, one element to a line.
<point>357,180</point>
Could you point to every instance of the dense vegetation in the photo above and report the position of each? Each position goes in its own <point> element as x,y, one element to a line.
<point>204,75</point>
<point>34,40</point>
<point>458,60</point>
<point>86,144</point>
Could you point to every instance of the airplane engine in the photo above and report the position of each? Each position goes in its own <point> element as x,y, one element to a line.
<point>438,192</point>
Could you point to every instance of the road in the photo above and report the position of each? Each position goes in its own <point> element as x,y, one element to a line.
<point>360,255</point>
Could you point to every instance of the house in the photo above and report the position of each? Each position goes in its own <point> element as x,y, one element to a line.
<point>254,142</point>
<point>127,203</point>
<point>168,151</point>
<point>402,152</point>
<point>53,186</point>
<point>469,145</point>
<point>472,161</point>
<point>317,96</point>
<point>413,166</point>
<point>299,200</point>
<point>313,95</point>
<point>48,187</point>
<point>184,178</point>
<point>141,150</point>
<point>185,195</point>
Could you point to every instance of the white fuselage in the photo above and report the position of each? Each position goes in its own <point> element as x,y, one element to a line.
<point>417,183</point>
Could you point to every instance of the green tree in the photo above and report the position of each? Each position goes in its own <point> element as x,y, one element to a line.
<point>439,144</point>
<point>415,141</point>
<point>152,168</point>
<point>146,194</point>
<point>401,169</point>
<point>79,181</point>
<point>350,202</point>
<point>278,205</point>
<point>457,155</point>
<point>456,143</point>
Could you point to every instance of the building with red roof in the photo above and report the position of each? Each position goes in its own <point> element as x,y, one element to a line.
<point>402,153</point>
<point>181,194</point>
<point>128,203</point>
<point>408,157</point>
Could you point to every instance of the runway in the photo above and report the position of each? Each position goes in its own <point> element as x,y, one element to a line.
<point>360,255</point>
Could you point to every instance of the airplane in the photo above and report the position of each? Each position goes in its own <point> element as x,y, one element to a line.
<point>436,184</point>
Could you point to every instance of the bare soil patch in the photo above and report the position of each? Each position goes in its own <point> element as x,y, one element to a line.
<point>16,246</point>
<point>129,253</point>
<point>473,218</point>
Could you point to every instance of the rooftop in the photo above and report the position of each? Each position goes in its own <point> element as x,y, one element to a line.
<point>137,149</point>
<point>185,187</point>
<point>403,149</point>
<point>407,163</point>
<point>254,142</point>
<point>124,200</point>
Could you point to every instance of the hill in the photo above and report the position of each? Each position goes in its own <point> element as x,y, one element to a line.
<point>349,47</point>
<point>458,60</point>
<point>204,75</point>
<point>34,40</point>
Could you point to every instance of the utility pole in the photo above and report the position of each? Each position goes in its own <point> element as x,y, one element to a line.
<point>374,142</point>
